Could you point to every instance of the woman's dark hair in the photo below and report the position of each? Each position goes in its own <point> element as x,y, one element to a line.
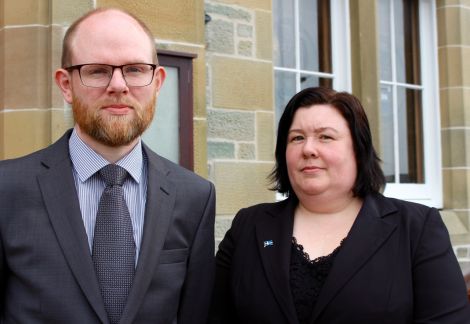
<point>370,177</point>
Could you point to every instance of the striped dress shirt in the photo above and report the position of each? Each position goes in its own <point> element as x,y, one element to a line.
<point>90,186</point>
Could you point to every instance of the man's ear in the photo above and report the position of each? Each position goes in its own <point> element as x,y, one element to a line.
<point>64,81</point>
<point>160,75</point>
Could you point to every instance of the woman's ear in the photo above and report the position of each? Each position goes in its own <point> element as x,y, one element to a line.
<point>64,82</point>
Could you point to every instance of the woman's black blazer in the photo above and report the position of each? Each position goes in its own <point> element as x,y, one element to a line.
<point>396,266</point>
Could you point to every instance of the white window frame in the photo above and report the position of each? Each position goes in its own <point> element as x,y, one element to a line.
<point>340,49</point>
<point>430,192</point>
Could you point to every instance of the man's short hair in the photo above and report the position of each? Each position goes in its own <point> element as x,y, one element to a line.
<point>69,34</point>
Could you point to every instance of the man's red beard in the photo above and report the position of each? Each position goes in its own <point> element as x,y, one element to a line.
<point>113,130</point>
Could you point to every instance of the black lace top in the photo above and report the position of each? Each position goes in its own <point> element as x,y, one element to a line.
<point>307,278</point>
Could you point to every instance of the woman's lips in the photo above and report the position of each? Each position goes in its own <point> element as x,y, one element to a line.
<point>311,169</point>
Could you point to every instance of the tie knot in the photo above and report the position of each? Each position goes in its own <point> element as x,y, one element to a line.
<point>113,174</point>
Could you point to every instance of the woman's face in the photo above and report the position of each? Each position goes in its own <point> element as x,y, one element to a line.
<point>320,154</point>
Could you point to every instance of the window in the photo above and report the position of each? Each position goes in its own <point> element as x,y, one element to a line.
<point>171,132</point>
<point>308,49</point>
<point>409,130</point>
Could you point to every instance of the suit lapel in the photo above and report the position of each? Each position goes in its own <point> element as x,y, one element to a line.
<point>60,198</point>
<point>367,234</point>
<point>274,239</point>
<point>158,212</point>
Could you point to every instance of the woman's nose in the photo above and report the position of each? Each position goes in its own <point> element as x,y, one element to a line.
<point>310,147</point>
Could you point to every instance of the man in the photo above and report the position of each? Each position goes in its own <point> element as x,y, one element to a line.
<point>76,247</point>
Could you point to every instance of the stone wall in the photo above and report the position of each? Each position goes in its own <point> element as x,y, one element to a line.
<point>240,115</point>
<point>453,17</point>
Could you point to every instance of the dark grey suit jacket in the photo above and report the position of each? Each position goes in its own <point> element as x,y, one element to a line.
<point>396,266</point>
<point>46,270</point>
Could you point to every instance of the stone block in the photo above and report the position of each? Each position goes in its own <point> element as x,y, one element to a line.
<point>265,136</point>
<point>2,16</point>
<point>57,35</point>
<point>200,147</point>
<point>64,12</point>
<point>219,37</point>
<point>252,4</point>
<point>464,216</point>
<point>2,68</point>
<point>222,224</point>
<point>457,23</point>
<point>244,30</point>
<point>25,132</point>
<point>199,84</point>
<point>2,136</point>
<point>241,83</point>
<point>455,107</point>
<point>245,48</point>
<point>264,35</point>
<point>456,188</point>
<point>181,20</point>
<point>241,184</point>
<point>61,120</point>
<point>230,125</point>
<point>443,3</point>
<point>246,151</point>
<point>220,150</point>
<point>456,152</point>
<point>230,12</point>
<point>454,224</point>
<point>454,66</point>
<point>26,12</point>
<point>27,73</point>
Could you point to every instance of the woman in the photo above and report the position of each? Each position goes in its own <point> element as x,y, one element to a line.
<point>336,250</point>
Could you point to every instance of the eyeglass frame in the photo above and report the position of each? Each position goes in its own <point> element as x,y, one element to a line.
<point>79,66</point>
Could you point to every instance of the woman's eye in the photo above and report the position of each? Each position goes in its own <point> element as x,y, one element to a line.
<point>296,138</point>
<point>325,137</point>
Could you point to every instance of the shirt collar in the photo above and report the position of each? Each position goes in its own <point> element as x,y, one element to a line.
<point>87,162</point>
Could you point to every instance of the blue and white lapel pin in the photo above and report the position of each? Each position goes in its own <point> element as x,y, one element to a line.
<point>268,243</point>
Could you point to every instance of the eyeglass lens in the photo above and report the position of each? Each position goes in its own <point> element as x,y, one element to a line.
<point>99,75</point>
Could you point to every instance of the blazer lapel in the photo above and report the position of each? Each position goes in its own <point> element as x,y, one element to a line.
<point>367,234</point>
<point>158,212</point>
<point>60,198</point>
<point>274,238</point>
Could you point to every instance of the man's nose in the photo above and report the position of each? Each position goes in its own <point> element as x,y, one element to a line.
<point>117,82</point>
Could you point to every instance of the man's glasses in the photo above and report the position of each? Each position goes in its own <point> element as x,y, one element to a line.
<point>100,75</point>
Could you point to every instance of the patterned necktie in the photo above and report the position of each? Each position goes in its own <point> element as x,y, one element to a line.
<point>113,243</point>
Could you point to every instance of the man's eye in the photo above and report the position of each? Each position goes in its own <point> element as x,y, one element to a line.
<point>133,69</point>
<point>97,71</point>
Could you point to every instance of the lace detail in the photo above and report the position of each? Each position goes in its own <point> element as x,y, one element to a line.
<point>307,278</point>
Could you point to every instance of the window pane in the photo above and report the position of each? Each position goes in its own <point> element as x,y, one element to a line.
<point>308,27</point>
<point>308,80</point>
<point>285,89</point>
<point>385,41</point>
<point>315,35</point>
<point>386,132</point>
<point>284,34</point>
<point>410,136</point>
<point>406,21</point>
<point>399,41</point>
<point>162,136</point>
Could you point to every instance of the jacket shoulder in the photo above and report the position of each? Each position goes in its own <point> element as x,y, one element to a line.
<point>249,216</point>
